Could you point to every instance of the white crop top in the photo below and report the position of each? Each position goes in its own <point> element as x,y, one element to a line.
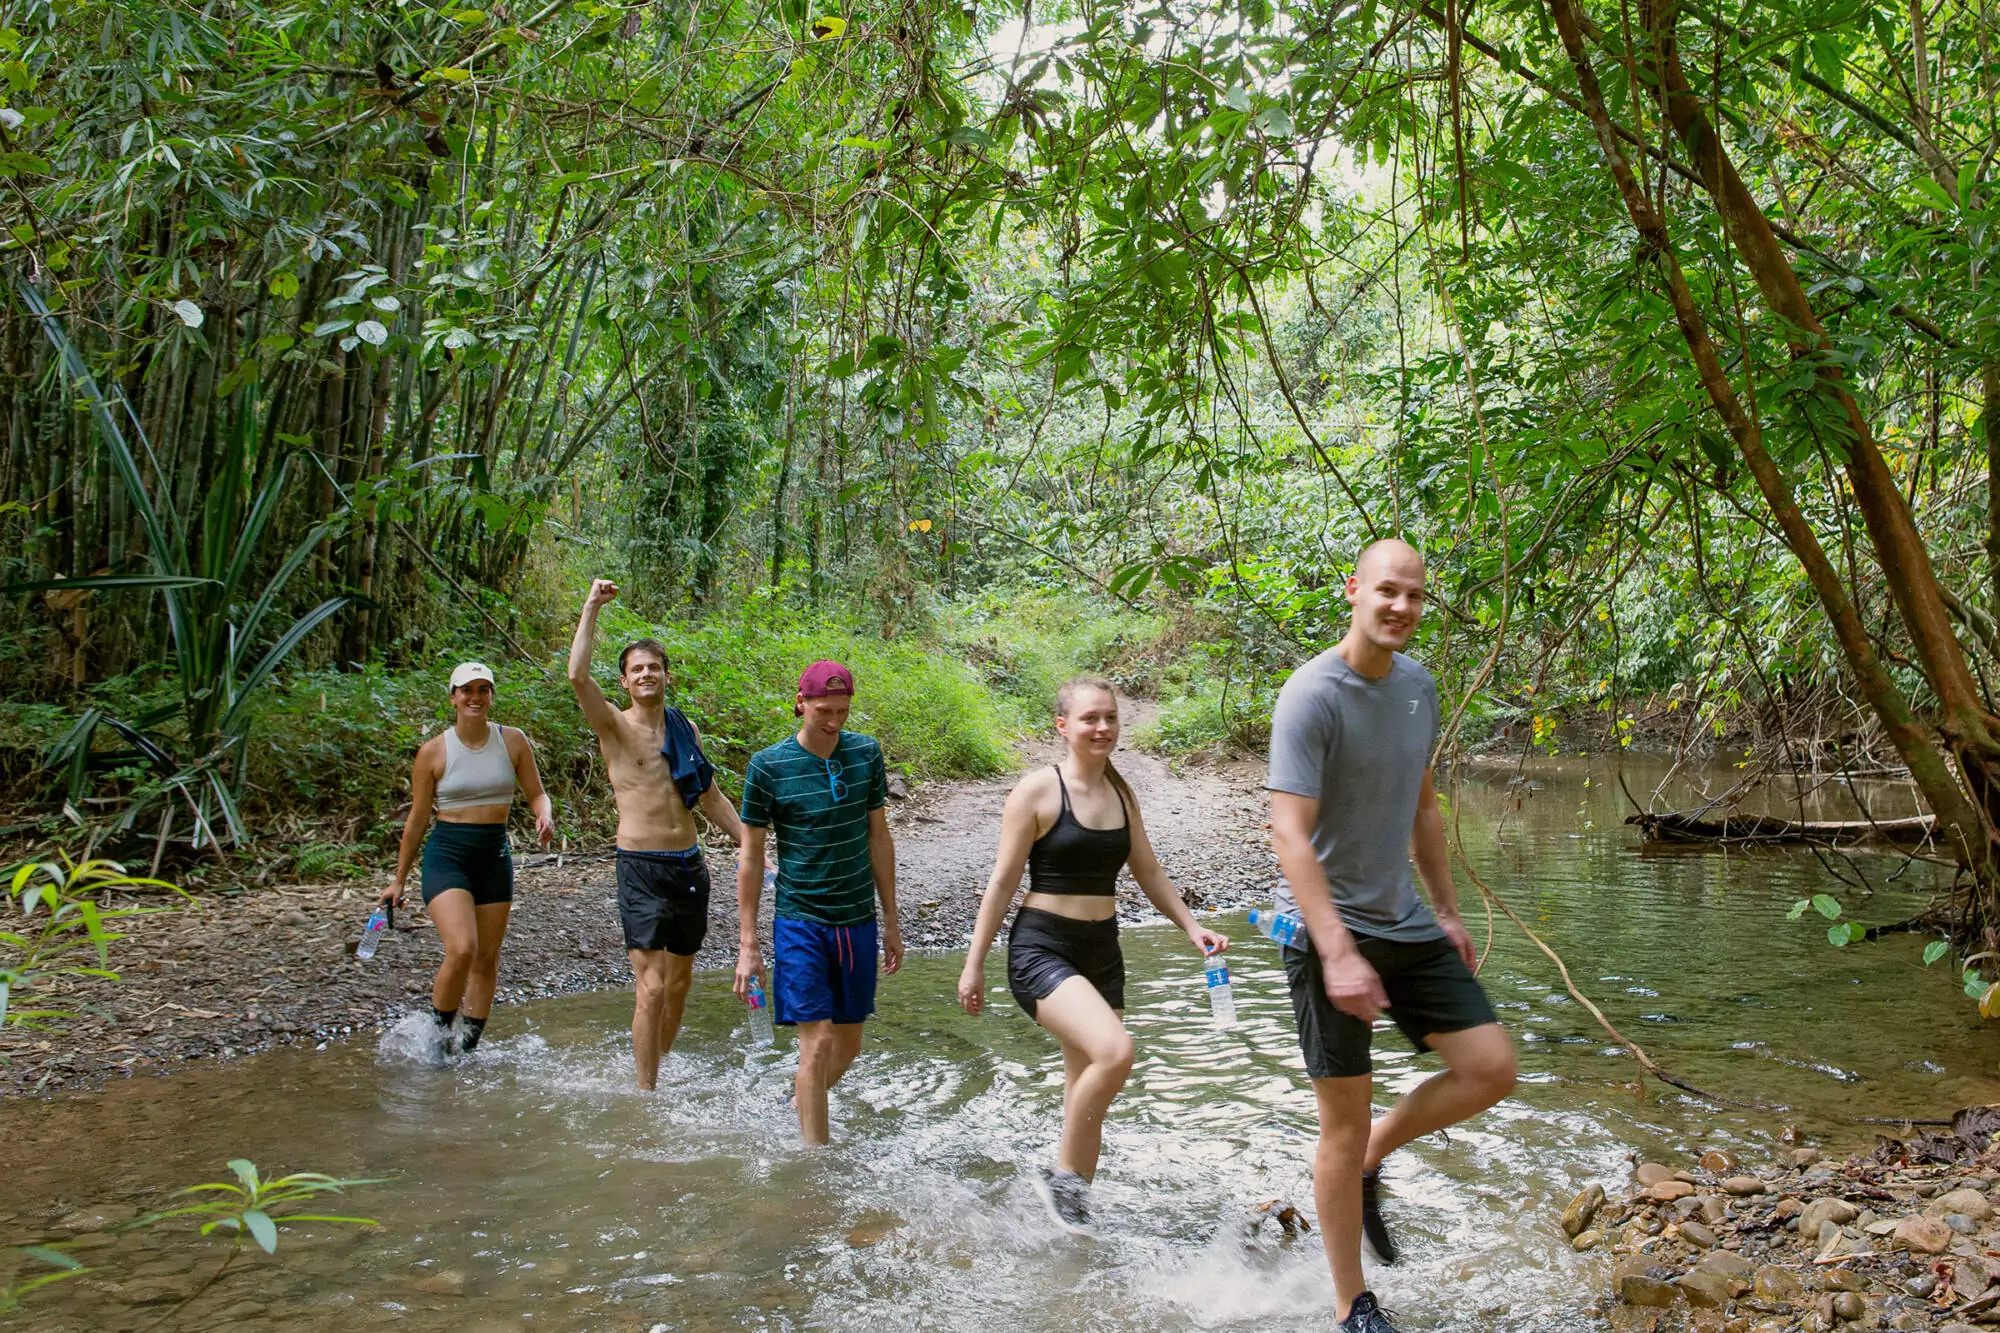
<point>484,776</point>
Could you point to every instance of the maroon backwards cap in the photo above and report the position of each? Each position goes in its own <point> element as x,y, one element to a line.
<point>823,678</point>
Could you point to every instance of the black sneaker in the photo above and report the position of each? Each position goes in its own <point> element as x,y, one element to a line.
<point>1366,1317</point>
<point>1067,1197</point>
<point>1374,1231</point>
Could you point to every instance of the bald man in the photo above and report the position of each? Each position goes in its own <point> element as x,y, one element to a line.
<point>1351,804</point>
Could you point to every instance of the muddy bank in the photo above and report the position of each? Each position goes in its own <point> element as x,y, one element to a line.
<point>1904,1237</point>
<point>237,972</point>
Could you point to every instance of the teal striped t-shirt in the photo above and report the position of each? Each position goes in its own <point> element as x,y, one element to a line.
<point>819,808</point>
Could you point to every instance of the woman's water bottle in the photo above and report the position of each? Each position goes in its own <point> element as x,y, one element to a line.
<point>1284,927</point>
<point>761,1031</point>
<point>371,934</point>
<point>1221,999</point>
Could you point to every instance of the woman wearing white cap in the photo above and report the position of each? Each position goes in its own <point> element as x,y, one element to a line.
<point>467,774</point>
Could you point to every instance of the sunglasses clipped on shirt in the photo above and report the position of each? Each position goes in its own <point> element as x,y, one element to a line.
<point>834,784</point>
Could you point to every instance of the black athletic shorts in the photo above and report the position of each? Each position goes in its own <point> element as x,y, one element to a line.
<point>473,857</point>
<point>1430,989</point>
<point>663,900</point>
<point>1044,950</point>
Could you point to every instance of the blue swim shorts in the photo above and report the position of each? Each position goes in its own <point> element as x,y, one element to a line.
<point>823,973</point>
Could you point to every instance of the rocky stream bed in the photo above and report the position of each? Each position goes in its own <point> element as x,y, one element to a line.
<point>1904,1237</point>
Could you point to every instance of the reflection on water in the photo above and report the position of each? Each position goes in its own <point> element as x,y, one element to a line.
<point>534,1188</point>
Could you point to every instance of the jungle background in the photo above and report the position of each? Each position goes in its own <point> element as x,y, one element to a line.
<point>976,345</point>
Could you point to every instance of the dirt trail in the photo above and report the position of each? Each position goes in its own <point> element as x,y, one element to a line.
<point>240,972</point>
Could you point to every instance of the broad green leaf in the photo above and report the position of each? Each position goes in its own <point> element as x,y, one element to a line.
<point>262,1229</point>
<point>1935,950</point>
<point>1826,905</point>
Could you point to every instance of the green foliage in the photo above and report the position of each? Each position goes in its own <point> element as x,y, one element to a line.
<point>255,1207</point>
<point>250,1206</point>
<point>63,927</point>
<point>61,1266</point>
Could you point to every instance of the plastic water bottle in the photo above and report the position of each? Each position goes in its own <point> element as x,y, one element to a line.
<point>371,934</point>
<point>762,1033</point>
<point>1221,999</point>
<point>1284,927</point>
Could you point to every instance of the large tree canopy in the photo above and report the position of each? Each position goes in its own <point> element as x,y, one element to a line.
<point>1672,332</point>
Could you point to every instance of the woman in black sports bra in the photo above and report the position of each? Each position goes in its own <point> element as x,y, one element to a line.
<point>1073,827</point>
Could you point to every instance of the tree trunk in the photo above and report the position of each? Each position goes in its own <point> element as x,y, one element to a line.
<point>1961,823</point>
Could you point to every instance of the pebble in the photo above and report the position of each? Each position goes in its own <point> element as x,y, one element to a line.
<point>1960,1223</point>
<point>1922,1285</point>
<point>1966,1201</point>
<point>1847,1305</point>
<point>1694,1233</point>
<point>1820,1211</point>
<point>1720,1161</point>
<point>1727,1262</point>
<point>1650,1174</point>
<point>1576,1218</point>
<point>1921,1235</point>
<point>1638,1289</point>
<point>1773,1283</point>
<point>1709,1291</point>
<point>1843,1279</point>
<point>1669,1190</point>
<point>1743,1186</point>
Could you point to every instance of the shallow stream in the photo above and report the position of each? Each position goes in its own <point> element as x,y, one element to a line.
<point>532,1188</point>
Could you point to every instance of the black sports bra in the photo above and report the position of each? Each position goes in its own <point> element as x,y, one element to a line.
<point>1070,858</point>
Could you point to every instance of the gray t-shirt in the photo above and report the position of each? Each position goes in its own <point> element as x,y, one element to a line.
<point>1360,748</point>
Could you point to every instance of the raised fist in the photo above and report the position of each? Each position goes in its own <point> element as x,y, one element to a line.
<point>601,591</point>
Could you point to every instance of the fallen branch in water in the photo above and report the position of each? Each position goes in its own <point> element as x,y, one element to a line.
<point>1646,1062</point>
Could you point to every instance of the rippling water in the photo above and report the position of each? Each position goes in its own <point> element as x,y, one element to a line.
<point>533,1188</point>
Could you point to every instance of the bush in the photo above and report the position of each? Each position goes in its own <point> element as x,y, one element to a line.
<point>341,744</point>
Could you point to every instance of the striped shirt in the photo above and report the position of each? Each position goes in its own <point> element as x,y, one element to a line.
<point>820,808</point>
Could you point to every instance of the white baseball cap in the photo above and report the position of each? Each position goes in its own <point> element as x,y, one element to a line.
<point>467,672</point>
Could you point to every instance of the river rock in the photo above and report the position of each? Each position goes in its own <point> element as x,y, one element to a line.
<point>1669,1190</point>
<point>1581,1210</point>
<point>1787,1207</point>
<point>1838,1211</point>
<point>1921,1235</point>
<point>1847,1305</point>
<point>1638,1289</point>
<point>1696,1234</point>
<point>1707,1291</point>
<point>1922,1285</point>
<point>1650,1174</point>
<point>1960,1223</point>
<point>1727,1262</point>
<point>1586,1240</point>
<point>1720,1161</point>
<point>448,1282</point>
<point>1773,1283</point>
<point>1743,1186</point>
<point>1969,1202</point>
<point>1713,1208</point>
<point>1804,1157</point>
<point>1843,1279</point>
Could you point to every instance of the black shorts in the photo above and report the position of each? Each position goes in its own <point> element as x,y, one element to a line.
<point>473,857</point>
<point>1044,950</point>
<point>663,900</point>
<point>1430,989</point>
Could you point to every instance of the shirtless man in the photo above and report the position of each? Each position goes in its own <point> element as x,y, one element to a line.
<point>658,775</point>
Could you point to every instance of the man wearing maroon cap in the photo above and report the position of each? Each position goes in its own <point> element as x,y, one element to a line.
<point>824,791</point>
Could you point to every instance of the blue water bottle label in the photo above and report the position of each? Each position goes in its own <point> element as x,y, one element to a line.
<point>1218,974</point>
